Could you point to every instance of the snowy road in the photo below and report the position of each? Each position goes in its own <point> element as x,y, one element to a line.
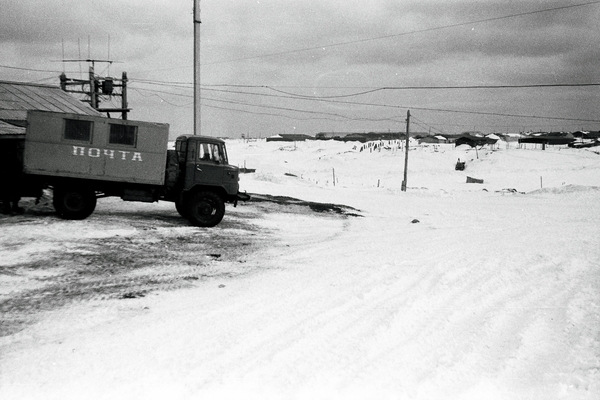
<point>337,309</point>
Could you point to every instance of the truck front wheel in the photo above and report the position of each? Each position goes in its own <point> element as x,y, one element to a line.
<point>181,208</point>
<point>73,203</point>
<point>205,209</point>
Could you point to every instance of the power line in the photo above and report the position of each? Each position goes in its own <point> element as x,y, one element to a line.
<point>418,108</point>
<point>187,85</point>
<point>371,88</point>
<point>404,33</point>
<point>29,69</point>
<point>469,87</point>
<point>381,105</point>
<point>270,114</point>
<point>404,107</point>
<point>163,83</point>
<point>505,115</point>
<point>340,116</point>
<point>424,124</point>
<point>139,91</point>
<point>322,47</point>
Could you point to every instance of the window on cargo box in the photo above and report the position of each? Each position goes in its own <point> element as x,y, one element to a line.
<point>78,130</point>
<point>123,134</point>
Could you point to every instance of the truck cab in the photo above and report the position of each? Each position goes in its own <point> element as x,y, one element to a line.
<point>207,180</point>
<point>206,164</point>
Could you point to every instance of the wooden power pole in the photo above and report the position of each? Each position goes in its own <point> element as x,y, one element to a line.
<point>406,151</point>
<point>196,67</point>
<point>124,104</point>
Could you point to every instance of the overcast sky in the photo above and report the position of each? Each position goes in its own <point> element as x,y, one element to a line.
<point>306,66</point>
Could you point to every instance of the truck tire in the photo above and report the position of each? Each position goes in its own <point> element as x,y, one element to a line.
<point>205,209</point>
<point>74,203</point>
<point>181,208</point>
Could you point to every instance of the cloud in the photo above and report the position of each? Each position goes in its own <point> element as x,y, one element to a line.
<point>42,27</point>
<point>310,46</point>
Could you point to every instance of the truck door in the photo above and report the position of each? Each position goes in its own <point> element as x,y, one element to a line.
<point>208,168</point>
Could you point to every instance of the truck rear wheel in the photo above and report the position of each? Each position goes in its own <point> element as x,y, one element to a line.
<point>205,209</point>
<point>74,203</point>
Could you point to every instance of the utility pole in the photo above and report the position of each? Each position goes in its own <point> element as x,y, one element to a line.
<point>93,89</point>
<point>124,105</point>
<point>96,86</point>
<point>406,150</point>
<point>196,67</point>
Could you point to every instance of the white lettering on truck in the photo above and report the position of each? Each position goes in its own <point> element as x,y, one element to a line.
<point>96,153</point>
<point>78,151</point>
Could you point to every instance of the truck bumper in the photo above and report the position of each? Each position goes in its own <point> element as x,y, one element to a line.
<point>241,197</point>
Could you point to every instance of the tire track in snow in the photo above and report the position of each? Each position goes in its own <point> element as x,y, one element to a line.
<point>434,324</point>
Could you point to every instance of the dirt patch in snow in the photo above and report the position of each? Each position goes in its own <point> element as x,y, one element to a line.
<point>314,206</point>
<point>125,250</point>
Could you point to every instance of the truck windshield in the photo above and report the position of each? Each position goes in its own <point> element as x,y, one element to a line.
<point>212,152</point>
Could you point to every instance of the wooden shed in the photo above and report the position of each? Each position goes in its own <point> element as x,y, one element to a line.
<point>16,98</point>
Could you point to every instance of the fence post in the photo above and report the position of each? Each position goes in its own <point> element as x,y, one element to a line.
<point>406,151</point>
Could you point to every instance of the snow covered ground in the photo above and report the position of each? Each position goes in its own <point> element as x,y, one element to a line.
<point>451,290</point>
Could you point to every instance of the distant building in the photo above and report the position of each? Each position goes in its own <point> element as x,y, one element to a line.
<point>586,135</point>
<point>592,135</point>
<point>472,140</point>
<point>549,138</point>
<point>433,139</point>
<point>365,136</point>
<point>510,137</point>
<point>331,135</point>
<point>472,133</point>
<point>289,137</point>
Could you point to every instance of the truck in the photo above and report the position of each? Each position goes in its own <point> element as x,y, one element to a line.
<point>82,158</point>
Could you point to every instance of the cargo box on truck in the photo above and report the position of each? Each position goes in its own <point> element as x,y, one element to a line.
<point>86,147</point>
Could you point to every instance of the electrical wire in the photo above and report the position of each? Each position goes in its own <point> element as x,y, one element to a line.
<point>553,85</point>
<point>30,69</point>
<point>429,108</point>
<point>270,114</point>
<point>395,106</point>
<point>339,116</point>
<point>480,21</point>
